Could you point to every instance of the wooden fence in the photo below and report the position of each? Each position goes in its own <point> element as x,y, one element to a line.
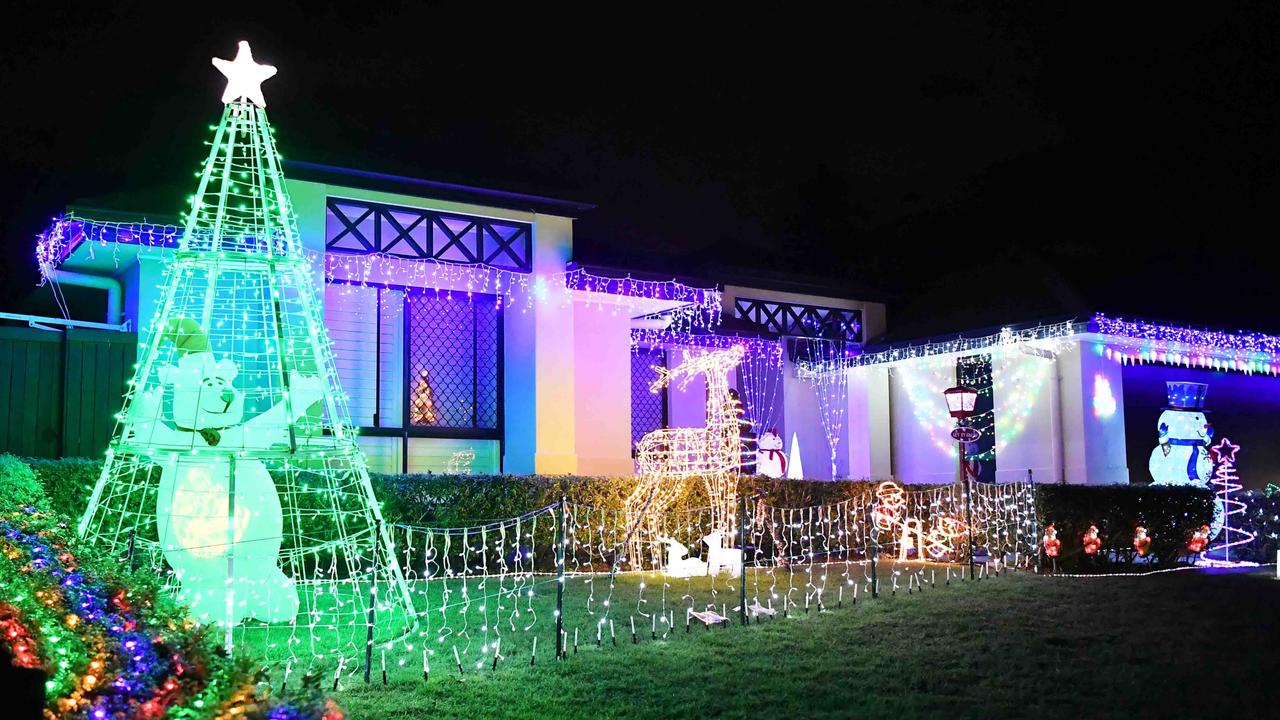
<point>60,390</point>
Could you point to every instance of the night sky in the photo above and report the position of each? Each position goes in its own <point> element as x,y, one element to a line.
<point>971,164</point>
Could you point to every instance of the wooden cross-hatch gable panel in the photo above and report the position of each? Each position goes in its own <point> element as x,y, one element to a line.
<point>360,227</point>
<point>811,321</point>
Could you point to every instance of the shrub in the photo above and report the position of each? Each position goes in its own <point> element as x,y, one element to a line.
<point>63,605</point>
<point>67,482</point>
<point>1262,518</point>
<point>462,500</point>
<point>1170,515</point>
<point>19,486</point>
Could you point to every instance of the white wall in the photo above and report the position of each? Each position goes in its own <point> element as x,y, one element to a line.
<point>554,367</point>
<point>923,451</point>
<point>1093,442</point>
<point>803,417</point>
<point>602,390</point>
<point>870,441</point>
<point>687,405</point>
<point>1026,416</point>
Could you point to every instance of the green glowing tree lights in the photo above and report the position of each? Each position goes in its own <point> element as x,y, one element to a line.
<point>234,470</point>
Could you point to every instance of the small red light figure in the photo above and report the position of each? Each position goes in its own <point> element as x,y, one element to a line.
<point>1141,542</point>
<point>1092,543</point>
<point>1051,542</point>
<point>1199,539</point>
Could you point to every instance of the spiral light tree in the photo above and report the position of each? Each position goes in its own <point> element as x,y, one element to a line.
<point>1225,477</point>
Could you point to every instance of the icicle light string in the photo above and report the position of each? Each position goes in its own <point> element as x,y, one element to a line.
<point>1014,384</point>
<point>760,379</point>
<point>1045,336</point>
<point>832,389</point>
<point>483,595</point>
<point>696,307</point>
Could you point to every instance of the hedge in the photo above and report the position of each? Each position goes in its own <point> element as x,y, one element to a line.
<point>67,482</point>
<point>1169,513</point>
<point>462,500</point>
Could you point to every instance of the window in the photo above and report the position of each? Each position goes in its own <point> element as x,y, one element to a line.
<point>422,373</point>
<point>648,409</point>
<point>453,368</point>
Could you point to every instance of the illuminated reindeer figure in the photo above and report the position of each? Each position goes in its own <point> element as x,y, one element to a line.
<point>670,457</point>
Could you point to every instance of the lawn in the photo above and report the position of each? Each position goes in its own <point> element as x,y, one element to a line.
<point>1187,644</point>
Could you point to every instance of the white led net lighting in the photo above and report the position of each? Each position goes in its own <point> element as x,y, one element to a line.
<point>234,471</point>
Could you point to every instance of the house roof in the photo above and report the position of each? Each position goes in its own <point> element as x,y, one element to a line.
<point>388,182</point>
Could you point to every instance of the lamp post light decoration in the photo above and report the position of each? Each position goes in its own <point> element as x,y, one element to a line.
<point>961,401</point>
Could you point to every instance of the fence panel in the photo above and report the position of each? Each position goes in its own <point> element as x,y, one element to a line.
<point>60,391</point>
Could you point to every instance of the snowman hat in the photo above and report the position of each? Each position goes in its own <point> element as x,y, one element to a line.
<point>1186,395</point>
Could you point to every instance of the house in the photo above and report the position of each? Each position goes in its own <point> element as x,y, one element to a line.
<point>466,337</point>
<point>1100,400</point>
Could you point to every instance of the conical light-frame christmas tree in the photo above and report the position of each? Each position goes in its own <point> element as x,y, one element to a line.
<point>234,469</point>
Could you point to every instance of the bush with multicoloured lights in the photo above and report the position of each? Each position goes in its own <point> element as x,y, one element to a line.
<point>110,643</point>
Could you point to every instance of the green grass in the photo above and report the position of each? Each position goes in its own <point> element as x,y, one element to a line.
<point>1186,644</point>
<point>470,614</point>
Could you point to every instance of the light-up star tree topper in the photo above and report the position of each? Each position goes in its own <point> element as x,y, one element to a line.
<point>234,470</point>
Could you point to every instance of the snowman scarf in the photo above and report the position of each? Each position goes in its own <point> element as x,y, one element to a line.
<point>1197,446</point>
<point>774,454</point>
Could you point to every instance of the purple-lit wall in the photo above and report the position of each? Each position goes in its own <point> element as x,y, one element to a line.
<point>1245,408</point>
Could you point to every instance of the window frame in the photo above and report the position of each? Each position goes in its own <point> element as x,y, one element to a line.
<point>665,401</point>
<point>407,430</point>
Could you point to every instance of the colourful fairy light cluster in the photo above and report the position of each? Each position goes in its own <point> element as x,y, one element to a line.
<point>1137,342</point>
<point>111,646</point>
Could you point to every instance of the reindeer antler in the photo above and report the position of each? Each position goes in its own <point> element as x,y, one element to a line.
<point>665,376</point>
<point>719,361</point>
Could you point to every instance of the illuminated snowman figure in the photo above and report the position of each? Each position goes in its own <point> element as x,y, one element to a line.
<point>770,460</point>
<point>1182,457</point>
<point>197,511</point>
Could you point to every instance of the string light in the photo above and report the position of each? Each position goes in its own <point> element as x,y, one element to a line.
<point>110,650</point>
<point>831,388</point>
<point>695,308</point>
<point>1199,539</point>
<point>1091,542</point>
<point>668,457</point>
<point>234,472</point>
<point>1047,336</point>
<point>1052,545</point>
<point>1138,342</point>
<point>1224,476</point>
<point>1141,541</point>
<point>889,514</point>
